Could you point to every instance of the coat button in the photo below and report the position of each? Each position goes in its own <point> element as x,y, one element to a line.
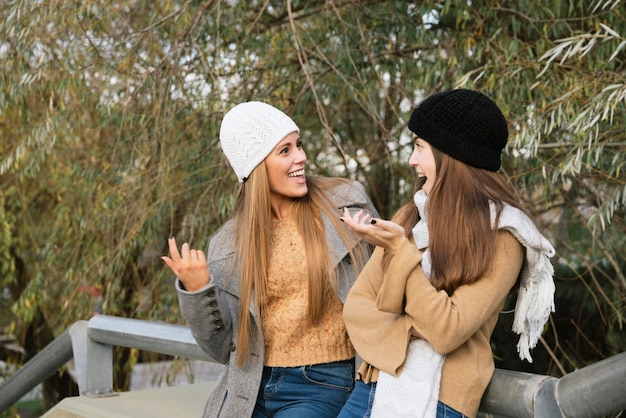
<point>232,346</point>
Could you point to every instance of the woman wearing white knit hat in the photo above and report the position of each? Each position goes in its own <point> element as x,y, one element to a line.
<point>422,311</point>
<point>269,305</point>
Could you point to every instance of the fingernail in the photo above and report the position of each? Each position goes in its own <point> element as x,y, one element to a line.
<point>373,221</point>
<point>341,219</point>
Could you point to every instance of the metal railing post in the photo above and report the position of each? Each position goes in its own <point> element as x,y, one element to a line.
<point>94,363</point>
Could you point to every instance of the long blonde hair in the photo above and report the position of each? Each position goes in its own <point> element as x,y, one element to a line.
<point>461,239</point>
<point>253,219</point>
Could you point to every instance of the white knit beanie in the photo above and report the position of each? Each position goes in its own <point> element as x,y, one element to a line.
<point>249,132</point>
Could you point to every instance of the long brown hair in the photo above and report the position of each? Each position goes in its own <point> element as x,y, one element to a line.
<point>253,219</point>
<point>459,221</point>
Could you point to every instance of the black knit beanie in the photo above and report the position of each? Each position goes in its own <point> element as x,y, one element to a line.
<point>465,124</point>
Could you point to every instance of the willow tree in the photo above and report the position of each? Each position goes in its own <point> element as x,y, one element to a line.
<point>110,112</point>
<point>560,73</point>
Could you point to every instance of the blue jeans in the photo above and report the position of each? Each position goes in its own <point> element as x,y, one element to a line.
<point>315,391</point>
<point>360,403</point>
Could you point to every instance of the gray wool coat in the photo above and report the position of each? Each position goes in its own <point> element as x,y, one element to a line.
<point>211,312</point>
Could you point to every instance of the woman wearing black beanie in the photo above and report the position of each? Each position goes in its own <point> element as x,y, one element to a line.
<point>422,311</point>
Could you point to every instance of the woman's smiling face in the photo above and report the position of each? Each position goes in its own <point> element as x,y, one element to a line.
<point>285,170</point>
<point>423,160</point>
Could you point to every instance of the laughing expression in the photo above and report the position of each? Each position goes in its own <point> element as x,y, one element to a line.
<point>423,160</point>
<point>285,171</point>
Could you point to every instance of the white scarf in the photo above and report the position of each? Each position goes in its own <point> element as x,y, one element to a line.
<point>535,297</point>
<point>414,393</point>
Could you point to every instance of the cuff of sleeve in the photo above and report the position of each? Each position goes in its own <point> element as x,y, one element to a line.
<point>181,288</point>
<point>390,297</point>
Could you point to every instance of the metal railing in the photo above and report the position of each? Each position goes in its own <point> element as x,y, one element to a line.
<point>594,391</point>
<point>39,368</point>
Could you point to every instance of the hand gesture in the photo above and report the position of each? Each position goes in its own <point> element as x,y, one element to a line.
<point>385,234</point>
<point>189,265</point>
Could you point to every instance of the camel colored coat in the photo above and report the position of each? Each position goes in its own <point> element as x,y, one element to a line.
<point>459,326</point>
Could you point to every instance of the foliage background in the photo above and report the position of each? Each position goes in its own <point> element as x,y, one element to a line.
<point>109,121</point>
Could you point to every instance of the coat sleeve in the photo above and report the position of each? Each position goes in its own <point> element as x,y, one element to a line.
<point>380,338</point>
<point>211,311</point>
<point>207,314</point>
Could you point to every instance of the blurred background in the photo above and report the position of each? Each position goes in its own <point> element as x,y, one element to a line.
<point>109,122</point>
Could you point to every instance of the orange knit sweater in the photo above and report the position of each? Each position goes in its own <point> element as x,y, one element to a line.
<point>288,341</point>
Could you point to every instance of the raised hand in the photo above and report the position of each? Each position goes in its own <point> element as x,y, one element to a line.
<point>379,232</point>
<point>189,265</point>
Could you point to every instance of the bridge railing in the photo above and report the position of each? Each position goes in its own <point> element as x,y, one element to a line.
<point>594,391</point>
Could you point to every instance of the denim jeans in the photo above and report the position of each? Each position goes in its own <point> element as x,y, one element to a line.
<point>444,411</point>
<point>315,391</point>
<point>360,403</point>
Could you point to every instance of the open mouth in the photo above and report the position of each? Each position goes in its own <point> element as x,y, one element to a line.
<point>296,173</point>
